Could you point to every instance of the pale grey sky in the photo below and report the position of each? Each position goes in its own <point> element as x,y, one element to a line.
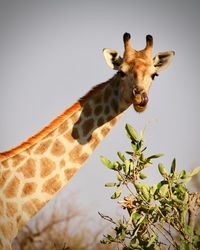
<point>51,54</point>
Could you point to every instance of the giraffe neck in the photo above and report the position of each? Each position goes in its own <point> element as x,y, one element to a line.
<point>29,179</point>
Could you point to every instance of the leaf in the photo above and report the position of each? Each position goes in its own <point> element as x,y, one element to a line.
<point>141,135</point>
<point>107,162</point>
<point>195,171</point>
<point>173,166</point>
<point>119,177</point>
<point>142,176</point>
<point>134,147</point>
<point>127,167</point>
<point>163,190</point>
<point>183,174</point>
<point>116,166</point>
<point>138,186</point>
<point>121,156</point>
<point>131,166</point>
<point>162,169</point>
<point>131,132</point>
<point>155,156</point>
<point>117,194</point>
<point>153,189</point>
<point>110,184</point>
<point>145,193</point>
<point>135,216</point>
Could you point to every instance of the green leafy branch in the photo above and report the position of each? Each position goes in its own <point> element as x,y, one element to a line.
<point>157,211</point>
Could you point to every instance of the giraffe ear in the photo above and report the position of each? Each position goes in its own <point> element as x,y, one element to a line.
<point>113,58</point>
<point>162,60</point>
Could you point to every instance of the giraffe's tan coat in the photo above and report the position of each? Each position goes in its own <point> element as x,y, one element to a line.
<point>47,166</point>
<point>5,164</point>
<point>70,172</point>
<point>58,148</point>
<point>28,169</point>
<point>52,185</point>
<point>11,208</point>
<point>77,156</point>
<point>11,189</point>
<point>42,148</point>
<point>63,127</point>
<point>17,159</point>
<point>28,189</point>
<point>4,175</point>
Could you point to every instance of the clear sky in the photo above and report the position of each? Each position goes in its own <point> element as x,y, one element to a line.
<point>51,54</point>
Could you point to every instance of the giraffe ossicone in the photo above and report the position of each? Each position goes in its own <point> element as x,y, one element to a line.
<point>33,172</point>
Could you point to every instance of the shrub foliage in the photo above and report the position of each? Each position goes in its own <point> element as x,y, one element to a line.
<point>160,216</point>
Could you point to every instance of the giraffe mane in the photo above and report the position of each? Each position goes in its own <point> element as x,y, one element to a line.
<point>52,125</point>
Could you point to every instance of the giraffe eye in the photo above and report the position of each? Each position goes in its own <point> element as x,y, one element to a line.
<point>154,75</point>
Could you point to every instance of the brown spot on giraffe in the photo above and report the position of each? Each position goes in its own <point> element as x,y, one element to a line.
<point>5,164</point>
<point>77,156</point>
<point>107,94</point>
<point>70,172</point>
<point>12,188</point>
<point>47,166</point>
<point>105,131</point>
<point>28,189</point>
<point>100,121</point>
<point>52,185</point>
<point>113,121</point>
<point>4,177</point>
<point>75,133</point>
<point>115,105</point>
<point>42,148</point>
<point>7,230</point>
<point>87,126</point>
<point>95,140</point>
<point>29,208</point>
<point>98,110</point>
<point>28,169</point>
<point>106,110</point>
<point>87,110</point>
<point>63,127</point>
<point>11,209</point>
<point>97,99</point>
<point>32,206</point>
<point>58,148</point>
<point>17,159</point>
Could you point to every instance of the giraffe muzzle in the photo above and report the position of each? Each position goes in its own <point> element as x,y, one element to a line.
<point>140,102</point>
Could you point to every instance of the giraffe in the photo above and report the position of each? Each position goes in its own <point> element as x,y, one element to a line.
<point>33,172</point>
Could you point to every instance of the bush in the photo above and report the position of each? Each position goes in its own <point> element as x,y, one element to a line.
<point>160,216</point>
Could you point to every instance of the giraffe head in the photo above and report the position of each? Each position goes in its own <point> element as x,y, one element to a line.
<point>137,70</point>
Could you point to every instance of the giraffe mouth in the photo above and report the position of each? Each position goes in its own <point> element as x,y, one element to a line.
<point>140,102</point>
